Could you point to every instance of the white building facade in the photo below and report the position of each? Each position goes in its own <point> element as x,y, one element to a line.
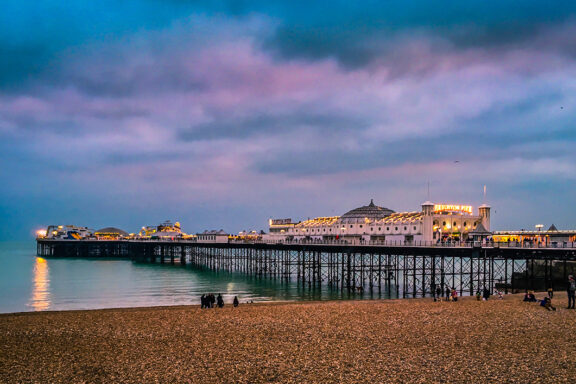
<point>370,223</point>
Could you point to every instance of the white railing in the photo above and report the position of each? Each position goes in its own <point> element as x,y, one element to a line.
<point>353,242</point>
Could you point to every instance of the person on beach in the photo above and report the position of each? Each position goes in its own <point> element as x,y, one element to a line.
<point>454,294</point>
<point>235,302</point>
<point>551,292</point>
<point>478,295</point>
<point>571,289</point>
<point>499,294</point>
<point>547,303</point>
<point>220,301</point>
<point>203,302</point>
<point>438,293</point>
<point>529,297</point>
<point>448,292</point>
<point>486,294</point>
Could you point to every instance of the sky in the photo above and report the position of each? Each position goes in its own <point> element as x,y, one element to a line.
<point>224,114</point>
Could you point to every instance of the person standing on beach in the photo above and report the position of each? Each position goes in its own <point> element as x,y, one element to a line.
<point>202,301</point>
<point>571,291</point>
<point>439,292</point>
<point>486,294</point>
<point>236,302</point>
<point>220,301</point>
<point>448,293</point>
<point>551,292</point>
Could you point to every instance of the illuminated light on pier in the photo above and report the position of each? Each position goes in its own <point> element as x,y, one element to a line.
<point>453,208</point>
<point>369,223</point>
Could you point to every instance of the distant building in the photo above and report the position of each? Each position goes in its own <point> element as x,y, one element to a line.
<point>65,232</point>
<point>110,233</point>
<point>434,223</point>
<point>212,237</point>
<point>550,237</point>
<point>164,231</point>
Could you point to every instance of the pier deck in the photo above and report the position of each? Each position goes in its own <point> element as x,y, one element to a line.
<point>405,270</point>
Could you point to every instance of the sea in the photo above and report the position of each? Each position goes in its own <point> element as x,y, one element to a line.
<point>31,283</point>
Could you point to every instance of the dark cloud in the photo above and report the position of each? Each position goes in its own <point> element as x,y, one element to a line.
<point>480,141</point>
<point>356,34</point>
<point>226,126</point>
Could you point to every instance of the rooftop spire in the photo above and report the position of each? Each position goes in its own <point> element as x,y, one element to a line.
<point>371,203</point>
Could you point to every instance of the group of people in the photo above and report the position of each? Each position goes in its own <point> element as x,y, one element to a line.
<point>546,302</point>
<point>485,294</point>
<point>209,301</point>
<point>450,294</point>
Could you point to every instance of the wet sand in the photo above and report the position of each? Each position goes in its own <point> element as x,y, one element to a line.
<point>415,340</point>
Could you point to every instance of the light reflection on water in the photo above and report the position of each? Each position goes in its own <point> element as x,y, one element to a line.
<point>40,298</point>
<point>33,284</point>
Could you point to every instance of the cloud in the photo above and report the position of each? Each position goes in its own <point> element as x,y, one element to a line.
<point>260,109</point>
<point>357,34</point>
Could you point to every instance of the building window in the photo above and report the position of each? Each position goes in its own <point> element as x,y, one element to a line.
<point>465,224</point>
<point>395,228</point>
<point>360,225</point>
<point>444,223</point>
<point>350,226</point>
<point>405,228</point>
<point>455,224</point>
<point>371,228</point>
<point>387,228</point>
<point>414,227</point>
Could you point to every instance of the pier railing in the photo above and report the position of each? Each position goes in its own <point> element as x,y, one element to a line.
<point>353,242</point>
<point>417,243</point>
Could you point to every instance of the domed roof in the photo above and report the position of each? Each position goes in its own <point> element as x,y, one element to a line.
<point>370,211</point>
<point>111,230</point>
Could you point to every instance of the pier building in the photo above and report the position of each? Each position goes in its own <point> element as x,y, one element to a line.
<point>110,233</point>
<point>164,231</point>
<point>433,223</point>
<point>551,237</point>
<point>65,232</point>
<point>212,236</point>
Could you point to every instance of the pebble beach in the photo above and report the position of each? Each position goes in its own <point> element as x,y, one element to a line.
<point>389,341</point>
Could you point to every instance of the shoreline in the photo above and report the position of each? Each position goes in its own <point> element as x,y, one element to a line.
<point>366,341</point>
<point>269,302</point>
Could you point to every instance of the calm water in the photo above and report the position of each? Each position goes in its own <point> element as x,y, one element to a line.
<point>30,283</point>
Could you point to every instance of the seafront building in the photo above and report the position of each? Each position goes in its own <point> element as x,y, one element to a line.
<point>551,237</point>
<point>369,223</point>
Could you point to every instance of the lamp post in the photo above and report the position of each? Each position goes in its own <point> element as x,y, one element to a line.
<point>539,228</point>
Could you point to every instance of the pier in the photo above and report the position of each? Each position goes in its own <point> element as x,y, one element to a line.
<point>405,270</point>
